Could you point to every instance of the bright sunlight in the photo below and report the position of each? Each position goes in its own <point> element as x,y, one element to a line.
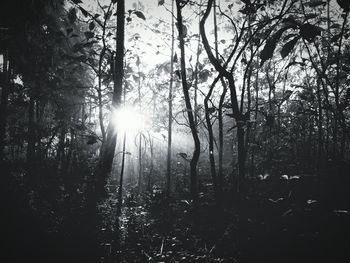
<point>129,119</point>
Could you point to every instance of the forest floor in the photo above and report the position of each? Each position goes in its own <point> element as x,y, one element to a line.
<point>295,219</point>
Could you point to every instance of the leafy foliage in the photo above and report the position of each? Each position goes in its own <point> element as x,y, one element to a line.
<point>288,47</point>
<point>139,14</point>
<point>309,31</point>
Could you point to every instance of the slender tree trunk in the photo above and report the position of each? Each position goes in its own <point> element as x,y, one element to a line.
<point>121,178</point>
<point>61,154</point>
<point>185,88</point>
<point>139,190</point>
<point>140,135</point>
<point>221,133</point>
<point>241,155</point>
<point>104,165</point>
<point>211,141</point>
<point>237,115</point>
<point>248,131</point>
<point>151,170</point>
<point>256,108</point>
<point>240,136</point>
<point>319,129</point>
<point>196,73</point>
<point>170,104</point>
<point>220,178</point>
<point>4,102</point>
<point>100,112</point>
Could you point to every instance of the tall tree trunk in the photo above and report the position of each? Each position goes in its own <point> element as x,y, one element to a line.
<point>196,72</point>
<point>241,155</point>
<point>140,135</point>
<point>104,165</point>
<point>100,111</point>
<point>237,115</point>
<point>121,178</point>
<point>248,131</point>
<point>211,140</point>
<point>4,102</point>
<point>151,169</point>
<point>185,88</point>
<point>221,133</point>
<point>61,154</point>
<point>170,104</point>
<point>220,176</point>
<point>319,129</point>
<point>256,108</point>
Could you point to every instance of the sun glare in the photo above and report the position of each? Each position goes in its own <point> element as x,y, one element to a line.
<point>129,119</point>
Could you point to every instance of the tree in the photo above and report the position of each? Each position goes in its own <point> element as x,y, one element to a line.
<point>170,102</point>
<point>108,148</point>
<point>190,114</point>
<point>243,38</point>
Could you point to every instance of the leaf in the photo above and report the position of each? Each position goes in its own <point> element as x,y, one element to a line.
<point>211,110</point>
<point>344,4</point>
<point>139,14</point>
<point>309,32</point>
<point>72,15</point>
<point>91,26</point>
<point>287,95</point>
<point>91,140</point>
<point>83,11</point>
<point>160,2</point>
<point>310,16</point>
<point>108,15</point>
<point>271,44</point>
<point>290,21</point>
<point>307,95</point>
<point>268,50</point>
<point>287,37</point>
<point>335,38</point>
<point>295,63</point>
<point>316,3</point>
<point>77,1</point>
<point>335,25</point>
<point>183,155</point>
<point>175,60</point>
<point>178,73</point>
<point>114,1</point>
<point>89,34</point>
<point>204,75</point>
<point>288,47</point>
